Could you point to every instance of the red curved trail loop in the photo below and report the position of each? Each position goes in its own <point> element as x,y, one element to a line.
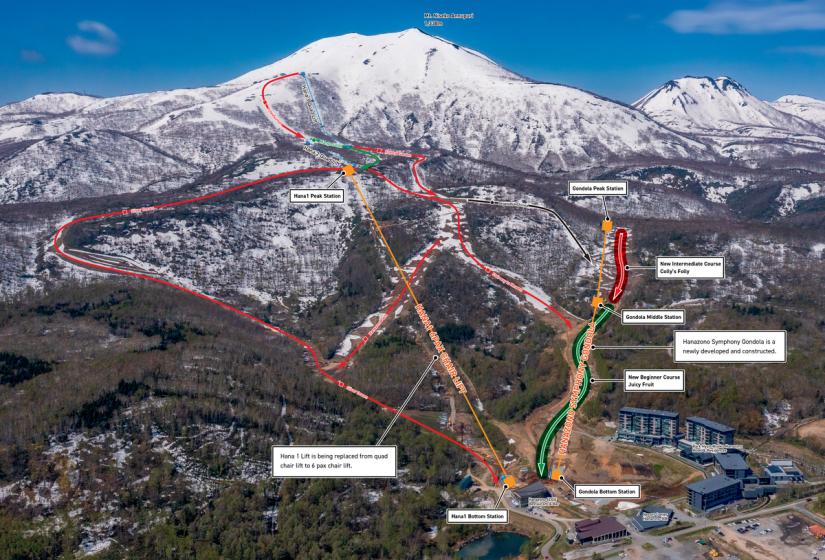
<point>57,244</point>
<point>620,257</point>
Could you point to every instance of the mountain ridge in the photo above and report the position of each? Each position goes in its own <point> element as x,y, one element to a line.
<point>442,97</point>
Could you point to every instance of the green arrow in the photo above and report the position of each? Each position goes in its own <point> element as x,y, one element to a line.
<point>553,426</point>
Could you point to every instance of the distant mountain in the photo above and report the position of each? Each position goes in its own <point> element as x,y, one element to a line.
<point>808,108</point>
<point>705,104</point>
<point>724,112</point>
<point>49,104</point>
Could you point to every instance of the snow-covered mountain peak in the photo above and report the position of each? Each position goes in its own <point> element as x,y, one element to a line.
<point>407,88</point>
<point>724,83</point>
<point>696,86</point>
<point>808,108</point>
<point>704,105</point>
<point>408,58</point>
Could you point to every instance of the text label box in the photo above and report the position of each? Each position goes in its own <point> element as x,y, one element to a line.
<point>478,516</point>
<point>653,316</point>
<point>597,188</point>
<point>316,196</point>
<point>334,461</point>
<point>730,346</point>
<point>596,491</point>
<point>654,380</point>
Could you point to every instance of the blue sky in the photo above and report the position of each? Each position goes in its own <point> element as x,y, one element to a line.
<point>617,49</point>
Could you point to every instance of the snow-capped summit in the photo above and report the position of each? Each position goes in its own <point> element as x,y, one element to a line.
<point>412,88</point>
<point>804,107</point>
<point>703,104</point>
<point>408,59</point>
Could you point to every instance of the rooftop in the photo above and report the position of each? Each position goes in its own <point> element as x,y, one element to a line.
<point>710,424</point>
<point>633,410</point>
<point>644,524</point>
<point>595,528</point>
<point>784,467</point>
<point>532,490</point>
<point>731,461</point>
<point>712,484</point>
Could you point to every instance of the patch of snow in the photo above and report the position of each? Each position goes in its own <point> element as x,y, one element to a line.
<point>624,506</point>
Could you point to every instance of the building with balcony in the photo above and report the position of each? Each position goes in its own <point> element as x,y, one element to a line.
<point>647,426</point>
<point>707,432</point>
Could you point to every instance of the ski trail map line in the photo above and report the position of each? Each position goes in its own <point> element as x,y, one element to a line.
<point>601,312</point>
<point>58,245</point>
<point>431,195</point>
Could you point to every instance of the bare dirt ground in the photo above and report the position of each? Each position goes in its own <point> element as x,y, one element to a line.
<point>598,460</point>
<point>814,431</point>
<point>689,550</point>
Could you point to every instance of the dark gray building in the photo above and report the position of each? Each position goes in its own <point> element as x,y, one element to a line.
<point>754,492</point>
<point>652,517</point>
<point>647,427</point>
<point>713,492</point>
<point>733,465</point>
<point>707,432</point>
<point>521,496</point>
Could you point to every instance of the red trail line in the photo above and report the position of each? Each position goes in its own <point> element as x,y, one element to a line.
<point>56,243</point>
<point>398,298</point>
<point>620,258</point>
<point>433,196</point>
<point>269,109</point>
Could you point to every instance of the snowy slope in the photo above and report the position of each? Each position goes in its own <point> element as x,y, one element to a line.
<point>48,103</point>
<point>68,146</point>
<point>406,89</point>
<point>808,108</point>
